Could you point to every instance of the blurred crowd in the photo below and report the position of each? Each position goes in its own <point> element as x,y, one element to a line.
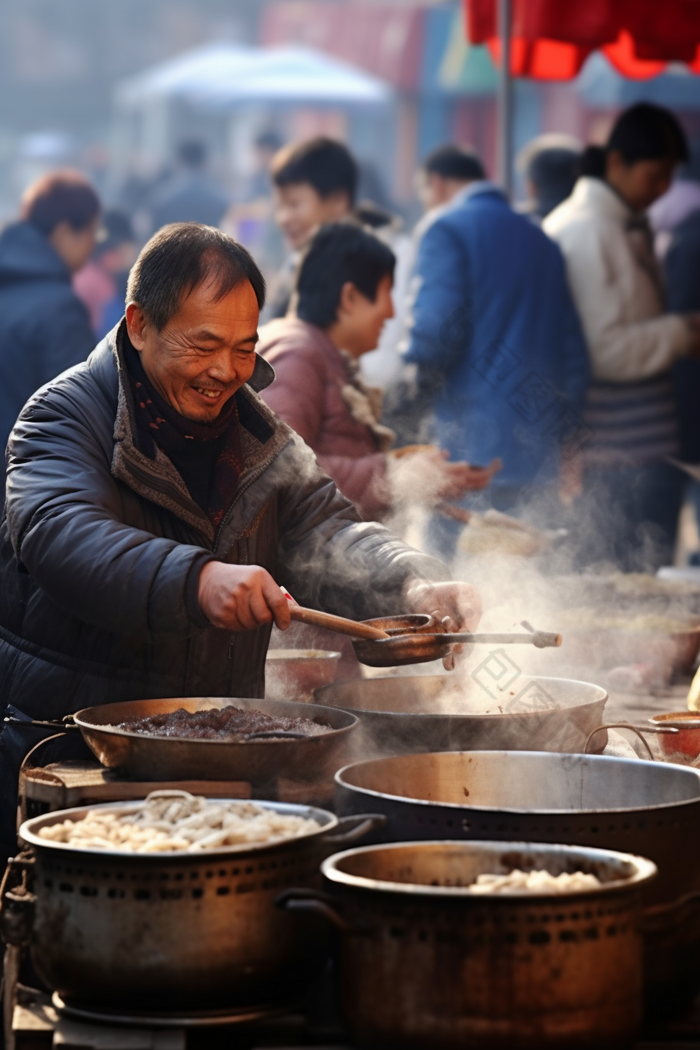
<point>539,360</point>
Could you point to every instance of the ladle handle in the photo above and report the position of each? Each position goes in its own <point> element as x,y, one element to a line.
<point>339,624</point>
<point>540,639</point>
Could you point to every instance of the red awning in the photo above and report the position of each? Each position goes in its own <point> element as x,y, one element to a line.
<point>551,39</point>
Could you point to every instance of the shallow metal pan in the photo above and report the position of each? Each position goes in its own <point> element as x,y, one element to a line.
<point>258,761</point>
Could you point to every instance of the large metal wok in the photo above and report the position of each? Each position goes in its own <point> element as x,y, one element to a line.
<point>170,758</point>
<point>648,808</point>
<point>425,713</point>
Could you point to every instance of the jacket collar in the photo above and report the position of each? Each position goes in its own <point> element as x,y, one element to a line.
<point>595,194</point>
<point>474,189</point>
<point>152,475</point>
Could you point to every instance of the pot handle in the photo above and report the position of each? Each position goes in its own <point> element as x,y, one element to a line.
<point>656,918</point>
<point>63,725</point>
<point>319,903</point>
<point>16,901</point>
<point>639,730</point>
<point>349,830</point>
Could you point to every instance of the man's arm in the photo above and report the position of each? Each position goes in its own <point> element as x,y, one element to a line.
<point>439,320</point>
<point>297,396</point>
<point>331,560</point>
<point>63,510</point>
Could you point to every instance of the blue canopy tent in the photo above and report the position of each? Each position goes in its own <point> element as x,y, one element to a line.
<point>221,80</point>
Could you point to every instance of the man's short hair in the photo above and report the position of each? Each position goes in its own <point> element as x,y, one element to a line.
<point>60,196</point>
<point>178,258</point>
<point>339,252</point>
<point>454,162</point>
<point>323,163</point>
<point>648,132</point>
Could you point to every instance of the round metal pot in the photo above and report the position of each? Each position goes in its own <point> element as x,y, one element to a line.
<point>424,713</point>
<point>173,930</point>
<point>647,808</point>
<point>683,746</point>
<point>425,963</point>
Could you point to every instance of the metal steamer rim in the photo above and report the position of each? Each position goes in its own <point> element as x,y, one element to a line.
<point>165,1019</point>
<point>327,823</point>
<point>458,807</point>
<point>643,871</point>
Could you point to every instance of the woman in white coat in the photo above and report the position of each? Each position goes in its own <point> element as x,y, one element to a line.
<point>631,493</point>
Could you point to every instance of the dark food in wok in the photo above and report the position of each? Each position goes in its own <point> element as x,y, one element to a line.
<point>227,724</point>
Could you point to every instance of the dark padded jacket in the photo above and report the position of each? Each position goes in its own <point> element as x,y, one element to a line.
<point>44,327</point>
<point>100,534</point>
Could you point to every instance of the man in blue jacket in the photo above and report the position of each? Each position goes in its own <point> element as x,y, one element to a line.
<point>44,327</point>
<point>494,329</point>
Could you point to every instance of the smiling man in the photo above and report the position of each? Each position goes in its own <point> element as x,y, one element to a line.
<point>155,505</point>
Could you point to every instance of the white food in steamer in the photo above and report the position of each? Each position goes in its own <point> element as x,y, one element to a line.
<point>177,821</point>
<point>517,881</point>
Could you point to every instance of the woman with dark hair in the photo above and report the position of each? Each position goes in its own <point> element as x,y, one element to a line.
<point>634,494</point>
<point>342,298</point>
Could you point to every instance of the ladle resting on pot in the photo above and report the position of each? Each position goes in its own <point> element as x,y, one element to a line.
<point>413,639</point>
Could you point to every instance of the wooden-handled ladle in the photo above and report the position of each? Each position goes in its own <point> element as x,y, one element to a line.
<point>339,624</point>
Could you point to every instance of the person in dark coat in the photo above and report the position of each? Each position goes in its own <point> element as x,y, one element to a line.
<point>44,327</point>
<point>550,165</point>
<point>155,504</point>
<point>682,272</point>
<point>191,195</point>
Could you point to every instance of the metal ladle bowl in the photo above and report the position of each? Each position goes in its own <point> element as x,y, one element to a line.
<point>420,638</point>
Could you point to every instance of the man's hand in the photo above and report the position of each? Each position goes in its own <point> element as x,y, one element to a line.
<point>427,475</point>
<point>459,602</point>
<point>240,597</point>
<point>456,479</point>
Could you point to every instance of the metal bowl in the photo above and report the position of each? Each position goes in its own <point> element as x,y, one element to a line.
<point>294,674</point>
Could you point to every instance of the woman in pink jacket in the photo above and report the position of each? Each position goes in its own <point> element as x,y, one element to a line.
<point>342,299</point>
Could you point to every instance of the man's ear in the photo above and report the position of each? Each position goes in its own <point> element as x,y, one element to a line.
<point>339,202</point>
<point>348,299</point>
<point>136,322</point>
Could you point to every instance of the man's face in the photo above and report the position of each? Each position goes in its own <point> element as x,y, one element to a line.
<point>74,246</point>
<point>300,209</point>
<point>363,319</point>
<point>205,353</point>
<point>642,182</point>
<point>434,190</point>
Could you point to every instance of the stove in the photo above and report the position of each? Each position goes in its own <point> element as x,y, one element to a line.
<point>41,1022</point>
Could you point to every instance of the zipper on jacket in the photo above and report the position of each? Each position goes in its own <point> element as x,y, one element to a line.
<point>241,492</point>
